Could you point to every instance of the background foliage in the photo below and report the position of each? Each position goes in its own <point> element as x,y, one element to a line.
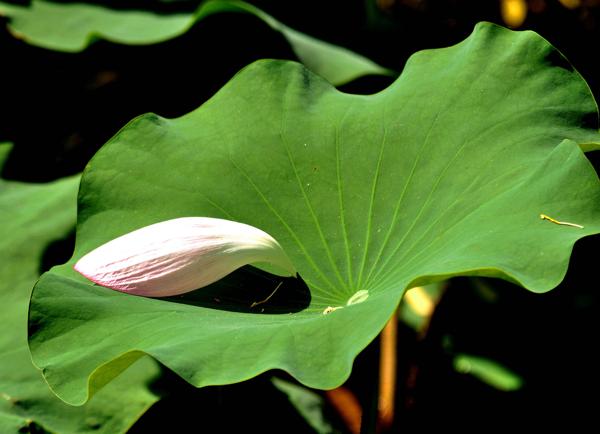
<point>59,108</point>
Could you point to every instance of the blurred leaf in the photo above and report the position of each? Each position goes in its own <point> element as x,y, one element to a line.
<point>309,404</point>
<point>34,215</point>
<point>488,371</point>
<point>444,173</point>
<point>418,304</point>
<point>74,26</point>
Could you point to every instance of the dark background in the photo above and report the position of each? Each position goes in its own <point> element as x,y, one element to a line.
<point>59,108</point>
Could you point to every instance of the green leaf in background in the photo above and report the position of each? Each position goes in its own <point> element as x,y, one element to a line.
<point>488,371</point>
<point>309,404</point>
<point>34,215</point>
<point>74,26</point>
<point>444,173</point>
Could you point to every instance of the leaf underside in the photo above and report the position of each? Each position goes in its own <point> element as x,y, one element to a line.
<point>444,173</point>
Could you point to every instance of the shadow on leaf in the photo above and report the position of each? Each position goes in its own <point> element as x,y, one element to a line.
<point>57,252</point>
<point>251,290</point>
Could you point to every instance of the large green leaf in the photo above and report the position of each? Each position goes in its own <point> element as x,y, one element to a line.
<point>34,215</point>
<point>74,26</point>
<point>446,172</point>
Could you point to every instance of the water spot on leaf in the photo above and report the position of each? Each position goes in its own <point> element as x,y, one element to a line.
<point>358,297</point>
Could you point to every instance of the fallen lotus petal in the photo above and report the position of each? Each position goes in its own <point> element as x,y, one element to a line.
<point>180,255</point>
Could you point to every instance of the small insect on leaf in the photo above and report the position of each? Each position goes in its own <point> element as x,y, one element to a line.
<point>550,219</point>
<point>330,309</point>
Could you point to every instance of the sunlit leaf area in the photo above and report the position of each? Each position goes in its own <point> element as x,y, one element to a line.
<point>370,216</point>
